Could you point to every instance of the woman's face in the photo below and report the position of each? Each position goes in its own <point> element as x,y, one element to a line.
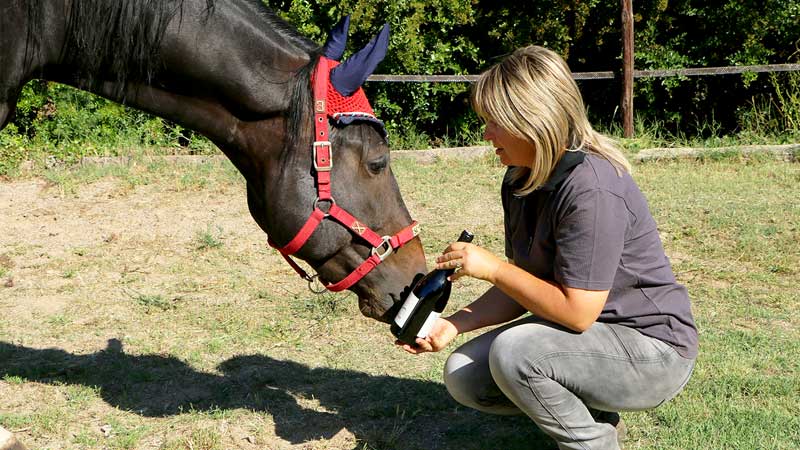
<point>512,150</point>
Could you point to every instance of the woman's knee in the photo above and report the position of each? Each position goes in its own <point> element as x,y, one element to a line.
<point>515,351</point>
<point>505,360</point>
<point>461,378</point>
<point>470,383</point>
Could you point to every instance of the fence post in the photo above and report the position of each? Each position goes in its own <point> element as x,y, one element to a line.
<point>627,68</point>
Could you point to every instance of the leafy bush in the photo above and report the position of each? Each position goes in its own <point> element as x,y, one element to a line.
<point>67,124</point>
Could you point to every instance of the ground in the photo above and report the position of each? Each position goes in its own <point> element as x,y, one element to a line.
<point>141,308</point>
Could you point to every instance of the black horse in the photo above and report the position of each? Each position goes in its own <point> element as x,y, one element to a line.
<point>236,73</point>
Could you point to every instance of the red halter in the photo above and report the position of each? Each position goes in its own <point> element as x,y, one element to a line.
<point>382,246</point>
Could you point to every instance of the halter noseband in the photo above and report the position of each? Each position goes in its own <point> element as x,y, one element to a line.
<point>382,246</point>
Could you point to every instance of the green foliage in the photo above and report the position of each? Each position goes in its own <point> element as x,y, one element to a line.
<point>12,149</point>
<point>777,113</point>
<point>65,124</point>
<point>688,33</point>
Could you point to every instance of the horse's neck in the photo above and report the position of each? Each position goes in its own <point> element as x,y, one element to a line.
<point>227,73</point>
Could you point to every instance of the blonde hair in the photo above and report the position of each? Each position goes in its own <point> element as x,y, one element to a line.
<point>531,94</point>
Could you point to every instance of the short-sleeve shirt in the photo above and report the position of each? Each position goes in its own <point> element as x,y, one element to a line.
<point>588,227</point>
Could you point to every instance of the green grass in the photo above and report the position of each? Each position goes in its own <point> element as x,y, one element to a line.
<point>155,302</point>
<point>14,379</point>
<point>733,228</point>
<point>177,347</point>
<point>208,239</point>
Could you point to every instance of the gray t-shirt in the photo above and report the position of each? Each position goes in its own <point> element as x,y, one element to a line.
<point>589,228</point>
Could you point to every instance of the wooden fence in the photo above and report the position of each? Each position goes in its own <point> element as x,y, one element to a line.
<point>627,96</point>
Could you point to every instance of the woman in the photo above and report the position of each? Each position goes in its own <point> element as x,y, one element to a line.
<point>610,328</point>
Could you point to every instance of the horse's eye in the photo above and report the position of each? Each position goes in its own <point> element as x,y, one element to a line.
<point>377,166</point>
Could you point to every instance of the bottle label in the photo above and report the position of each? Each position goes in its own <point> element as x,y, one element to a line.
<point>426,327</point>
<point>405,311</point>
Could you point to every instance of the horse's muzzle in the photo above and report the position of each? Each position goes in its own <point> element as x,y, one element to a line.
<point>382,311</point>
<point>385,310</point>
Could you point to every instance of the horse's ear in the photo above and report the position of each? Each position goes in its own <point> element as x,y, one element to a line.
<point>348,76</point>
<point>337,40</point>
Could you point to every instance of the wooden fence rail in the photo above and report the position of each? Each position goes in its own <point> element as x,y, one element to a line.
<point>626,74</point>
<point>655,73</point>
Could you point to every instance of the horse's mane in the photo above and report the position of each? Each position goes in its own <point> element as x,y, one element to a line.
<point>119,40</point>
<point>301,103</point>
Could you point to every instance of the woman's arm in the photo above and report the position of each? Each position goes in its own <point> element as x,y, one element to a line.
<point>492,308</point>
<point>576,309</point>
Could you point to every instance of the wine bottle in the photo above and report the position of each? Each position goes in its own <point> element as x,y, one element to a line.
<point>425,303</point>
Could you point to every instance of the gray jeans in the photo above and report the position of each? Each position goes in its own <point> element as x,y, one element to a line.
<point>557,377</point>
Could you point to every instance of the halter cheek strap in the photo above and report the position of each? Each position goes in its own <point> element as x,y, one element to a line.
<point>382,246</point>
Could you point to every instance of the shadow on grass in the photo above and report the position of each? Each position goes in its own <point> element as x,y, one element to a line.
<point>383,412</point>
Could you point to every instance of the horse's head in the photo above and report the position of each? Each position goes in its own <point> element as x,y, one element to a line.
<point>236,73</point>
<point>335,202</point>
<point>364,186</point>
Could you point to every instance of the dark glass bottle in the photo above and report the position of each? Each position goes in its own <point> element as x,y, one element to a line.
<point>425,303</point>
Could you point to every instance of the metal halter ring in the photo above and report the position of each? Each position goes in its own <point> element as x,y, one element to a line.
<point>330,200</point>
<point>315,280</point>
<point>386,243</point>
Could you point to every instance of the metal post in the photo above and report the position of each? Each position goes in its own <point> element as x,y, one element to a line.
<point>627,68</point>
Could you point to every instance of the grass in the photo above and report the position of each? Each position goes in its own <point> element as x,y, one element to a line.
<point>155,302</point>
<point>178,346</point>
<point>208,239</point>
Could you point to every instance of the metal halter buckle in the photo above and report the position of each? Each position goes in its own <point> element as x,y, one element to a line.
<point>317,167</point>
<point>386,243</point>
<point>314,280</point>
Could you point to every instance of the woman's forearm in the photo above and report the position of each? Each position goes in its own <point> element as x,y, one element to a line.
<point>492,308</point>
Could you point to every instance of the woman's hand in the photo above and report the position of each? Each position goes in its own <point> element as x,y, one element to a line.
<point>441,334</point>
<point>469,259</point>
